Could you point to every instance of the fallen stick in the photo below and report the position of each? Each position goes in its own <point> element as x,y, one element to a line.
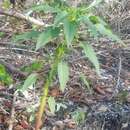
<point>22,16</point>
<point>12,114</point>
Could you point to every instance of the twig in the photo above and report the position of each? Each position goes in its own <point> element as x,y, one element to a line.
<point>103,125</point>
<point>12,117</point>
<point>20,49</point>
<point>3,110</point>
<point>5,30</point>
<point>119,73</point>
<point>11,44</point>
<point>22,16</point>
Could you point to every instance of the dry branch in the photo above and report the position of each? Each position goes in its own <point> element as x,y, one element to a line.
<point>21,16</point>
<point>12,116</point>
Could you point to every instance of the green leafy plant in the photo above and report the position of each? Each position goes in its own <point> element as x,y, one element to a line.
<point>63,74</point>
<point>79,116</point>
<point>31,79</point>
<point>6,4</point>
<point>91,55</point>
<point>49,34</point>
<point>2,34</point>
<point>33,67</point>
<point>5,78</point>
<point>28,84</point>
<point>64,28</point>
<point>122,96</point>
<point>86,82</point>
<point>32,35</point>
<point>55,106</point>
<point>52,104</point>
<point>59,53</point>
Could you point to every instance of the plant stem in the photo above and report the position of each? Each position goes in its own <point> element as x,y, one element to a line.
<point>57,58</point>
<point>42,105</point>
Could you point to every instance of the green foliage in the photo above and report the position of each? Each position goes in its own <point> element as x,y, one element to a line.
<point>60,105</point>
<point>123,96</point>
<point>2,34</point>
<point>35,66</point>
<point>31,79</point>
<point>44,8</point>
<point>91,28</point>
<point>86,82</point>
<point>67,21</point>
<point>32,35</point>
<point>79,116</point>
<point>60,17</point>
<point>57,3</point>
<point>59,53</point>
<point>95,3</point>
<point>107,32</point>
<point>63,74</point>
<point>31,109</point>
<point>97,26</point>
<point>49,34</point>
<point>90,53</point>
<point>70,28</point>
<point>55,106</point>
<point>52,104</point>
<point>64,28</point>
<point>5,78</point>
<point>6,4</point>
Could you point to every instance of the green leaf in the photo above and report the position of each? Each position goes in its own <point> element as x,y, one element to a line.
<point>94,19</point>
<point>98,26</point>
<point>63,74</point>
<point>91,55</point>
<point>2,34</point>
<point>60,17</point>
<point>60,105</point>
<point>83,78</point>
<point>70,29</point>
<point>31,79</point>
<point>5,4</point>
<point>79,116</point>
<point>5,78</point>
<point>94,3</point>
<point>52,104</point>
<point>34,66</point>
<point>49,34</point>
<point>101,21</point>
<point>107,32</point>
<point>26,36</point>
<point>90,25</point>
<point>45,7</point>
